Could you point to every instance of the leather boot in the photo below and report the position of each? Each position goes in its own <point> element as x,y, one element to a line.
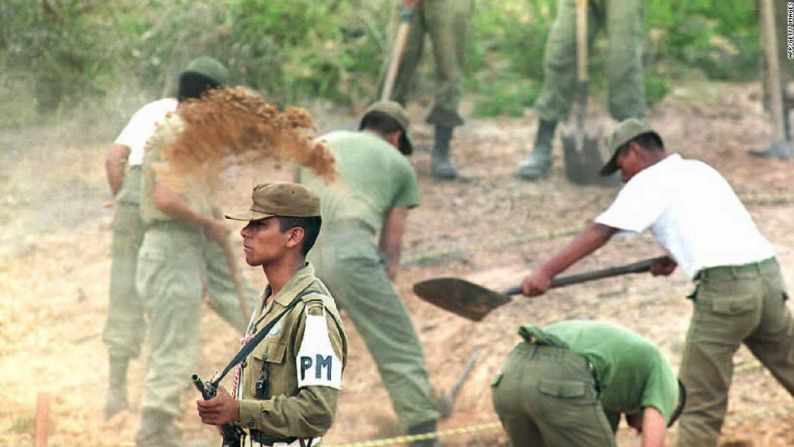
<point>424,427</point>
<point>537,163</point>
<point>157,430</point>
<point>781,150</point>
<point>116,400</point>
<point>441,166</point>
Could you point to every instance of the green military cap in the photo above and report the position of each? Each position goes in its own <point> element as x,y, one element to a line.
<point>279,199</point>
<point>624,132</point>
<point>210,68</point>
<point>395,111</point>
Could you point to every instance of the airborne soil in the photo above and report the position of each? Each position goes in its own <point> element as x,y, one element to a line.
<point>486,226</point>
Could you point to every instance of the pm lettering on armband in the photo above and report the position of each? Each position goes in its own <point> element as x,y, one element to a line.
<point>321,366</point>
<point>317,363</point>
<point>319,370</point>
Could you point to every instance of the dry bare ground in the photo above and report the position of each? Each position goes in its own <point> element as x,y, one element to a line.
<point>54,265</point>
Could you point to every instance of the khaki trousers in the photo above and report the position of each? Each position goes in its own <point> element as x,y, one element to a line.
<point>623,21</point>
<point>347,261</point>
<point>125,326</point>
<point>546,396</point>
<point>732,305</point>
<point>174,265</point>
<point>447,23</point>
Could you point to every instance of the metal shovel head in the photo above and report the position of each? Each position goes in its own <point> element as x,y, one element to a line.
<point>460,297</point>
<point>583,156</point>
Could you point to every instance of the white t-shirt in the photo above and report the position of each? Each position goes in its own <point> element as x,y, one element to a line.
<point>142,125</point>
<point>693,213</point>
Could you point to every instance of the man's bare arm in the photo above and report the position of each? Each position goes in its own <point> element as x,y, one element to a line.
<point>653,428</point>
<point>115,164</point>
<point>391,238</point>
<point>587,241</point>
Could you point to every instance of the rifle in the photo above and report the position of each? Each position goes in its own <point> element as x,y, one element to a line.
<point>232,434</point>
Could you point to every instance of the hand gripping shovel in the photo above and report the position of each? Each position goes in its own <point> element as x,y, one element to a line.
<point>583,157</point>
<point>474,302</point>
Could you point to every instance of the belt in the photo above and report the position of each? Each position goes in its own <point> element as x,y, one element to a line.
<point>769,265</point>
<point>263,439</point>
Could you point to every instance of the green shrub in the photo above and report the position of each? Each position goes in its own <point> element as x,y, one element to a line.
<point>62,52</point>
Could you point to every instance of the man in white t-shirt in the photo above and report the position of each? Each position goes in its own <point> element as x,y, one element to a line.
<point>124,328</point>
<point>699,221</point>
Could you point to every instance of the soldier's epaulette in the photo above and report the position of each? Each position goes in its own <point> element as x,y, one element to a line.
<point>315,302</point>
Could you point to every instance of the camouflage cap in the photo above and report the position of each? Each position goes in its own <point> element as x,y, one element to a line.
<point>279,199</point>
<point>624,132</point>
<point>208,67</point>
<point>395,111</point>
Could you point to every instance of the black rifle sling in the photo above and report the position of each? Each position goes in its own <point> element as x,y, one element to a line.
<point>245,350</point>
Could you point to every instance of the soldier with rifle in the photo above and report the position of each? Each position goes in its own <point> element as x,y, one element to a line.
<point>289,369</point>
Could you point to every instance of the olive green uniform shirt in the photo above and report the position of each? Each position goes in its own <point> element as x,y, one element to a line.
<point>290,410</point>
<point>632,374</point>
<point>374,178</point>
<point>156,169</point>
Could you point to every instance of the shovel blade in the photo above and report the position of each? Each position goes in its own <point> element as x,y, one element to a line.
<point>461,297</point>
<point>583,157</point>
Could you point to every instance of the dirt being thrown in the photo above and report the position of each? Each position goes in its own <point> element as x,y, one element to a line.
<point>237,125</point>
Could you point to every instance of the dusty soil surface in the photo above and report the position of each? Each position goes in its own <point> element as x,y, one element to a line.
<point>488,226</point>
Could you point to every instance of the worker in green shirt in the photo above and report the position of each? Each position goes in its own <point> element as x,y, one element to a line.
<point>358,252</point>
<point>568,384</point>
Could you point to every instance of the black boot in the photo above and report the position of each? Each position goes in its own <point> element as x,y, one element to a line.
<point>116,400</point>
<point>421,428</point>
<point>781,150</point>
<point>441,166</point>
<point>157,430</point>
<point>537,163</point>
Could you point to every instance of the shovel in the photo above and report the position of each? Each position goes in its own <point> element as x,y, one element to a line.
<point>583,157</point>
<point>474,302</point>
<point>780,147</point>
<point>398,48</point>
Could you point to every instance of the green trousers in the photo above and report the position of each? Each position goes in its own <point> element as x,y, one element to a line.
<point>623,21</point>
<point>733,305</point>
<point>347,261</point>
<point>174,265</point>
<point>546,396</point>
<point>124,327</point>
<point>447,23</point>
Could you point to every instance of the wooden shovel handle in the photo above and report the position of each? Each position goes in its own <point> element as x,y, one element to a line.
<point>398,49</point>
<point>234,270</point>
<point>637,267</point>
<point>773,79</point>
<point>581,40</point>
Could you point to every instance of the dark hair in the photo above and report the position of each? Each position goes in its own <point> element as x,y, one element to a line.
<point>384,125</point>
<point>194,85</point>
<point>311,229</point>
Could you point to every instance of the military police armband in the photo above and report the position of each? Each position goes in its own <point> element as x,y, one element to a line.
<point>317,364</point>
